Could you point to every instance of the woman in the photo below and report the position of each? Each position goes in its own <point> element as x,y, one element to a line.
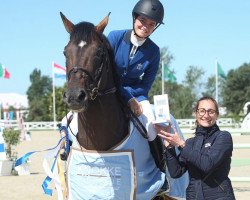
<point>137,59</point>
<point>206,156</point>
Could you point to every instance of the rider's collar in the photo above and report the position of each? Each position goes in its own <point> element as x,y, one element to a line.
<point>135,40</point>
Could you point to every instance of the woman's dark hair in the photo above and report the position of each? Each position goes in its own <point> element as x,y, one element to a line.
<point>207,98</point>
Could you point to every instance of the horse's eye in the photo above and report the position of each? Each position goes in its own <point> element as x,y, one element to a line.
<point>65,53</point>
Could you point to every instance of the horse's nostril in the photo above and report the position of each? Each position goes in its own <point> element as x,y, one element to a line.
<point>66,98</point>
<point>81,95</point>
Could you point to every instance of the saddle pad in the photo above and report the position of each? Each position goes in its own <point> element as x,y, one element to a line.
<point>105,175</point>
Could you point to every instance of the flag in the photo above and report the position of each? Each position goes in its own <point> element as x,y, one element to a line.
<point>59,72</point>
<point>3,72</point>
<point>169,75</point>
<point>221,73</point>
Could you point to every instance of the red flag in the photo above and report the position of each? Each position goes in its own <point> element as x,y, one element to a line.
<point>3,72</point>
<point>6,73</point>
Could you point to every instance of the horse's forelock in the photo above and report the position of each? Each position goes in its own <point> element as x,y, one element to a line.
<point>86,31</point>
<point>83,31</point>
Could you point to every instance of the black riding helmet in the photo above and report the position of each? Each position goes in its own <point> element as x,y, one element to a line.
<point>152,9</point>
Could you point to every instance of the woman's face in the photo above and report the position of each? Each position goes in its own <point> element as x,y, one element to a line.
<point>144,26</point>
<point>206,114</point>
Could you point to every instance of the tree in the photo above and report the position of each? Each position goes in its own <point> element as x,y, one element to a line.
<point>38,94</point>
<point>181,100</point>
<point>61,106</point>
<point>181,96</point>
<point>166,57</point>
<point>12,138</point>
<point>236,91</point>
<point>209,87</point>
<point>193,79</point>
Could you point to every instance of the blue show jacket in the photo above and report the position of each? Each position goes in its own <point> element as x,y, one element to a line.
<point>138,74</point>
<point>207,158</point>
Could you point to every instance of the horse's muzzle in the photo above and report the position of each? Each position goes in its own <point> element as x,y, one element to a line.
<point>75,99</point>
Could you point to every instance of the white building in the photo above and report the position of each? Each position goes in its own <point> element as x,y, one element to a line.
<point>18,101</point>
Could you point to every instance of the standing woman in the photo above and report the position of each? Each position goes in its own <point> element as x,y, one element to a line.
<point>137,59</point>
<point>206,156</point>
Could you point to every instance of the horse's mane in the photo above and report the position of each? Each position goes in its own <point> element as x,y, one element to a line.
<point>86,31</point>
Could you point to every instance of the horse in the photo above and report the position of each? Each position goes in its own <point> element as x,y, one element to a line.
<point>104,127</point>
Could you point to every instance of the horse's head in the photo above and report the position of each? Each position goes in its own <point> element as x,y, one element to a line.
<point>88,63</point>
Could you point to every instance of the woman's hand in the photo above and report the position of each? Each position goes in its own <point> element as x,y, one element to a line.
<point>171,139</point>
<point>135,106</point>
<point>161,131</point>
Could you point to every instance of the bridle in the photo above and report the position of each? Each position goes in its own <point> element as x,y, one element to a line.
<point>93,88</point>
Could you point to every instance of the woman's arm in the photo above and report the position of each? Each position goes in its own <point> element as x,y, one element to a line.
<point>175,164</point>
<point>176,168</point>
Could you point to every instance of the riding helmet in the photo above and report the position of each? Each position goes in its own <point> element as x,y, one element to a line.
<point>152,9</point>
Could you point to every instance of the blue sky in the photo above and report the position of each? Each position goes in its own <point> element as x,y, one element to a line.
<point>196,32</point>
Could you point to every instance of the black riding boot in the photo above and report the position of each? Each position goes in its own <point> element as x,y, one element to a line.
<point>157,150</point>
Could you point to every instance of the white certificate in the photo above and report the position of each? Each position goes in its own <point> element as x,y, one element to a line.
<point>161,107</point>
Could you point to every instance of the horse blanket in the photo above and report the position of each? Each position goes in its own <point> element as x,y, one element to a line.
<point>126,172</point>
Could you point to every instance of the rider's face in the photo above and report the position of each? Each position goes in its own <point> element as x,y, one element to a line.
<point>144,26</point>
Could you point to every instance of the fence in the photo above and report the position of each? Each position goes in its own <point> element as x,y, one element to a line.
<point>187,126</point>
<point>31,126</point>
<point>183,123</point>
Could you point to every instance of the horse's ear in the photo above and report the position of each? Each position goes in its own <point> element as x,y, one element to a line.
<point>101,26</point>
<point>69,26</point>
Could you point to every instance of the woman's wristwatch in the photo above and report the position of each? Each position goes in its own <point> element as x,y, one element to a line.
<point>170,146</point>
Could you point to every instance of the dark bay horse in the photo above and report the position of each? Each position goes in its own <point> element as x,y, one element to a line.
<point>91,89</point>
<point>92,84</point>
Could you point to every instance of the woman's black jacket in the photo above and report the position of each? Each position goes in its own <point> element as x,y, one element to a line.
<point>207,157</point>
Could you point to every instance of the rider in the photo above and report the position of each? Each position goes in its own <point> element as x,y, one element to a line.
<point>137,60</point>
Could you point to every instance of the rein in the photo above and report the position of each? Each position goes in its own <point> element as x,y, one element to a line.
<point>135,120</point>
<point>137,123</point>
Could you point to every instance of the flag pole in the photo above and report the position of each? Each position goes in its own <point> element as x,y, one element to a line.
<point>0,110</point>
<point>162,77</point>
<point>54,101</point>
<point>216,80</point>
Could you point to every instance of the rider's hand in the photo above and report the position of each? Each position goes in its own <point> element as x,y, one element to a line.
<point>135,106</point>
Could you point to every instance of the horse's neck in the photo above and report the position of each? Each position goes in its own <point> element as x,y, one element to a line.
<point>103,125</point>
